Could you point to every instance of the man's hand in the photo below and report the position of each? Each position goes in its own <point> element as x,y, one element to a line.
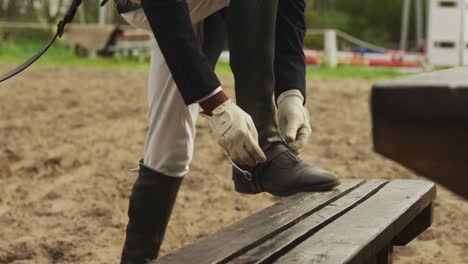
<point>236,133</point>
<point>293,119</point>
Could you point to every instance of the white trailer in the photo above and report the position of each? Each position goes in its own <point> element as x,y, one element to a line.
<point>447,32</point>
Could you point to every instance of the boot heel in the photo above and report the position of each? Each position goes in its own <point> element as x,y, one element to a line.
<point>242,185</point>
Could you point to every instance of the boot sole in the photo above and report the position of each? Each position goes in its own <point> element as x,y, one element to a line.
<point>315,188</point>
<point>244,189</point>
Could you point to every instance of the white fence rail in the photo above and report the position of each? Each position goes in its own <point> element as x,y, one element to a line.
<point>7,24</point>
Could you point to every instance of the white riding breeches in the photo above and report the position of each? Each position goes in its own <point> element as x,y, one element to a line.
<point>171,133</point>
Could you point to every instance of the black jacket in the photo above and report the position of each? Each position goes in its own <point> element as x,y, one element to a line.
<point>192,71</point>
<point>124,6</point>
<point>190,68</point>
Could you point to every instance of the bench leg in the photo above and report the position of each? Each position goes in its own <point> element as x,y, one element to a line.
<point>385,256</point>
<point>422,222</point>
<point>414,229</point>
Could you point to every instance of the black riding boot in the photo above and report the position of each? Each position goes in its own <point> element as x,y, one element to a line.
<point>283,174</point>
<point>251,28</point>
<point>252,46</point>
<point>151,202</point>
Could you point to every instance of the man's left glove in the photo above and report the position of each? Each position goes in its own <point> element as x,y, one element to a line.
<point>236,133</point>
<point>293,119</point>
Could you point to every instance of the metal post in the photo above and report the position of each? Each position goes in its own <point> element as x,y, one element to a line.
<point>331,48</point>
<point>405,24</point>
<point>5,4</point>
<point>102,16</point>
<point>462,43</point>
<point>81,15</point>
<point>110,14</point>
<point>419,23</point>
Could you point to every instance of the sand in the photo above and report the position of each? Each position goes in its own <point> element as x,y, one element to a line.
<point>68,137</point>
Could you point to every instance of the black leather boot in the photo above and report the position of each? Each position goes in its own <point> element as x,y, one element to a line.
<point>151,202</point>
<point>252,44</point>
<point>251,32</point>
<point>283,174</point>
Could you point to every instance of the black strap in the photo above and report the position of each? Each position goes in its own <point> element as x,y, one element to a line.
<point>28,63</point>
<point>60,30</point>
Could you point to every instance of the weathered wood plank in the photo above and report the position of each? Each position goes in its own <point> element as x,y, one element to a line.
<point>257,228</point>
<point>359,235</point>
<point>421,122</point>
<point>436,96</point>
<point>291,237</point>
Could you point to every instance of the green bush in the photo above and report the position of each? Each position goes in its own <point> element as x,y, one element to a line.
<point>27,35</point>
<point>313,42</point>
<point>374,21</point>
<point>334,19</point>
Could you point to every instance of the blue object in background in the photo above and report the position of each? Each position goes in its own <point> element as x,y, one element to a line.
<point>363,51</point>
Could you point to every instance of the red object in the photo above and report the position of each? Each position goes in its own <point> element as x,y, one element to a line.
<point>394,63</point>
<point>311,60</point>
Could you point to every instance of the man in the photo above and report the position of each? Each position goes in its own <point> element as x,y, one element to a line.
<point>190,36</point>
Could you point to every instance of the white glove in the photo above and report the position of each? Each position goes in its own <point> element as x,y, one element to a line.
<point>235,132</point>
<point>293,119</point>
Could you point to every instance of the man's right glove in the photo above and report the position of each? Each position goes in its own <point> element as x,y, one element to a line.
<point>293,120</point>
<point>235,132</point>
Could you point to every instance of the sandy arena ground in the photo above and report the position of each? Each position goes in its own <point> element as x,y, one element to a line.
<point>68,137</point>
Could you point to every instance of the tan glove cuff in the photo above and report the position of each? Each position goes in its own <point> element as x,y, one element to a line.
<point>223,107</point>
<point>291,96</point>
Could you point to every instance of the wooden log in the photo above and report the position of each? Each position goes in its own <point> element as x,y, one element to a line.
<point>422,122</point>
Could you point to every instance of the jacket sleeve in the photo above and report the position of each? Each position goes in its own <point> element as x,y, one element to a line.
<point>172,28</point>
<point>290,66</point>
<point>124,6</point>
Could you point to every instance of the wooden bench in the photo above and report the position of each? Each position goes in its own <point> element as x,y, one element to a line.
<point>91,39</point>
<point>421,122</point>
<point>359,222</point>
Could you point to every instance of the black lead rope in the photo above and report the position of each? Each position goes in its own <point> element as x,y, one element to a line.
<point>60,31</point>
